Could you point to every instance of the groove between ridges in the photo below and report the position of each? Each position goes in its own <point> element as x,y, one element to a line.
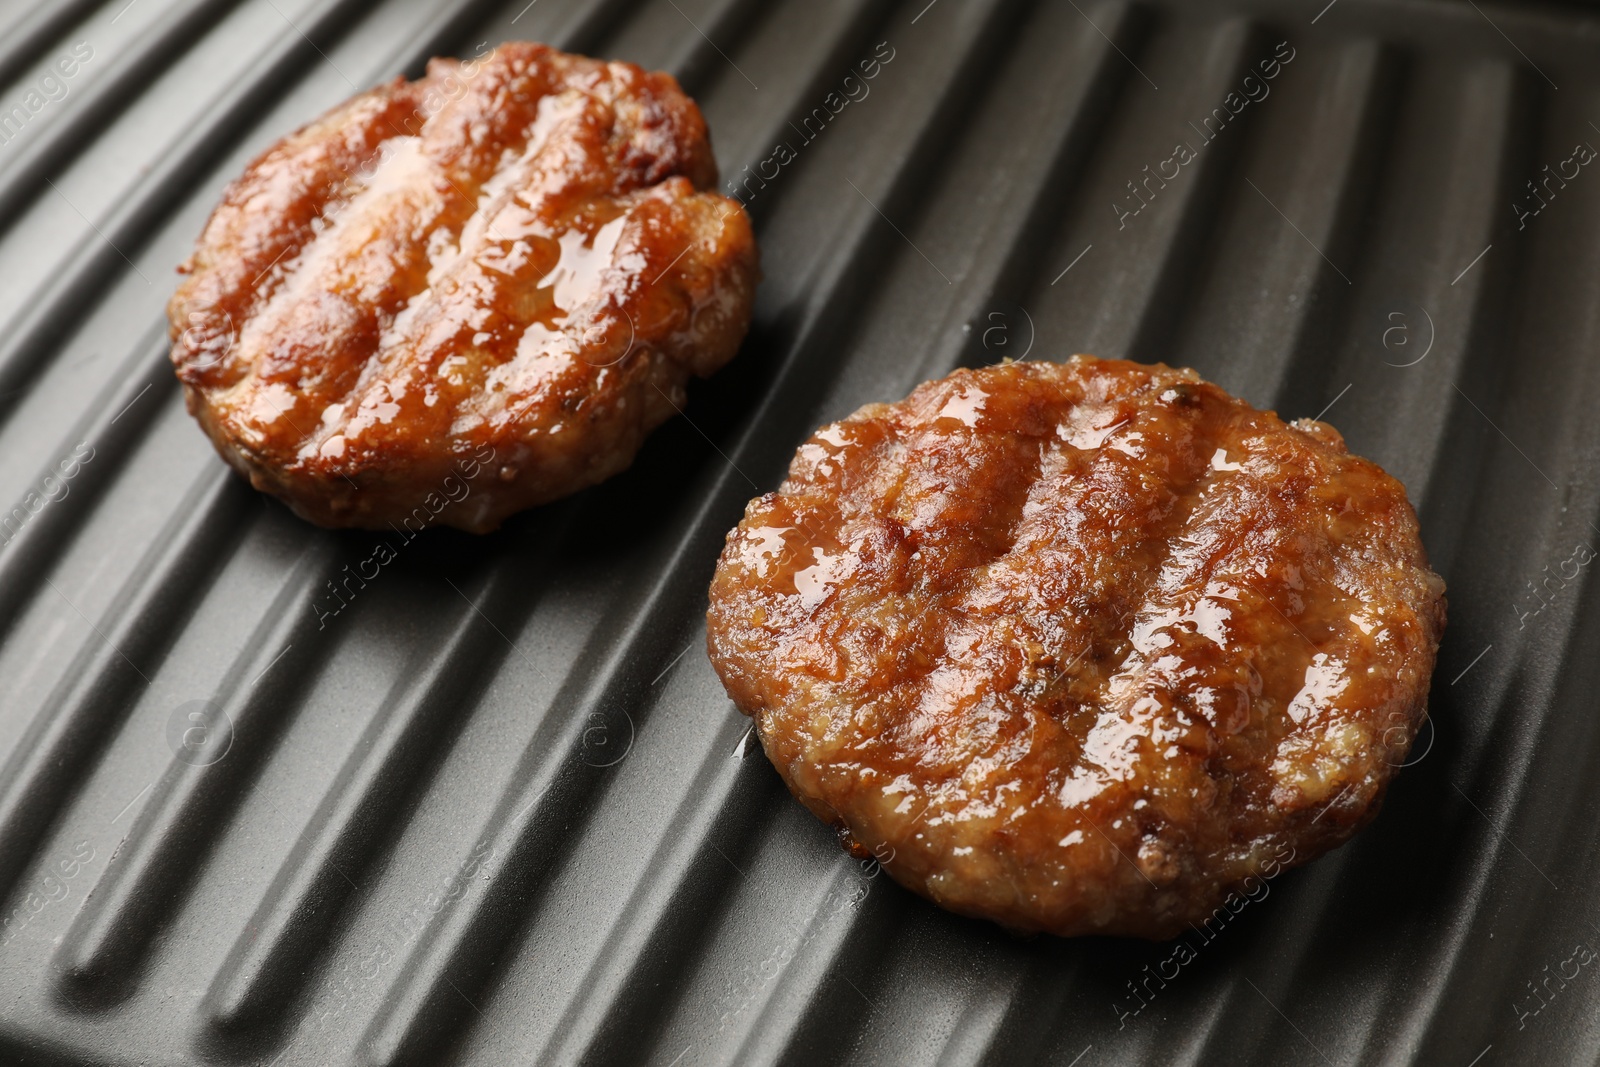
<point>356,819</point>
<point>56,307</point>
<point>1450,473</point>
<point>424,998</point>
<point>72,723</point>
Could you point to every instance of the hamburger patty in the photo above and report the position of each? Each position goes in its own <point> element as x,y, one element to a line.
<point>509,265</point>
<point>1079,648</point>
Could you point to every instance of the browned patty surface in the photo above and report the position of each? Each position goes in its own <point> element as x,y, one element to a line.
<point>1080,647</point>
<point>450,299</point>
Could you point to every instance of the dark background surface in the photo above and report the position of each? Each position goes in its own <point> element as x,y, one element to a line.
<point>498,809</point>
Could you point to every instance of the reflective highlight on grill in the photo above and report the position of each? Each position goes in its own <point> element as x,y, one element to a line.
<point>497,808</point>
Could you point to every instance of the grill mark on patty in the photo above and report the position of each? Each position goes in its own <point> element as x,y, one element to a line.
<point>523,257</point>
<point>1110,603</point>
<point>291,183</point>
<point>421,178</point>
<point>961,762</point>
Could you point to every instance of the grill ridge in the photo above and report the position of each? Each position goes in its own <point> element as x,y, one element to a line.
<point>675,906</point>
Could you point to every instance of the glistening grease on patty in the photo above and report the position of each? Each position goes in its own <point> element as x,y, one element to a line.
<point>1080,647</point>
<point>516,254</point>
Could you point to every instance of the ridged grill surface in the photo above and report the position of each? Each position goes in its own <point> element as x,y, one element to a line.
<point>496,809</point>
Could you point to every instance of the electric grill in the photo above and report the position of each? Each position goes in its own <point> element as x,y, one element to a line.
<point>496,808</point>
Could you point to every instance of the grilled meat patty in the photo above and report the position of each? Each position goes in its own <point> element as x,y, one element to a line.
<point>1080,647</point>
<point>451,299</point>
